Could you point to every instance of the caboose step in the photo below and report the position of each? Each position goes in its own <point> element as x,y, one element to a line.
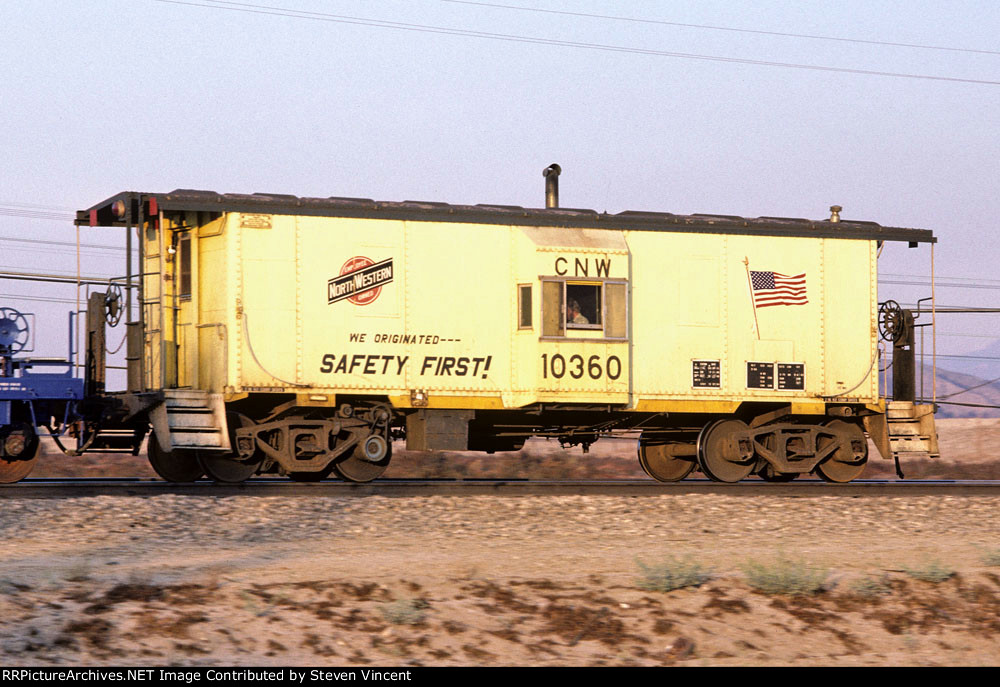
<point>911,429</point>
<point>913,444</point>
<point>191,419</point>
<point>907,429</point>
<point>900,410</point>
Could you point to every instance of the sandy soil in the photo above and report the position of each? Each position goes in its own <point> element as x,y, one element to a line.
<point>378,581</point>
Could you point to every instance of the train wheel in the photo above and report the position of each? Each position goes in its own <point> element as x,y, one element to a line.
<point>661,462</point>
<point>367,461</point>
<point>223,467</point>
<point>173,466</point>
<point>769,474</point>
<point>227,467</point>
<point>20,448</point>
<point>721,457</point>
<point>850,458</point>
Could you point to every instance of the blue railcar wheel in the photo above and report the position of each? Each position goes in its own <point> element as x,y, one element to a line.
<point>18,450</point>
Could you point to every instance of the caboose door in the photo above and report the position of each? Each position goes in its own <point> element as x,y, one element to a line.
<point>169,310</point>
<point>158,294</point>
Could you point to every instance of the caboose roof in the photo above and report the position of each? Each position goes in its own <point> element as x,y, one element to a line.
<point>186,200</point>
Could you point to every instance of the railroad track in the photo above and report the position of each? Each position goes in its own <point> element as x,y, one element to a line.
<point>42,488</point>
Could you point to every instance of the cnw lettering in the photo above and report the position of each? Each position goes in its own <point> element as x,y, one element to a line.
<point>582,266</point>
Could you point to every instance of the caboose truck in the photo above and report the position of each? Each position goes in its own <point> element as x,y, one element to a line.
<point>300,336</point>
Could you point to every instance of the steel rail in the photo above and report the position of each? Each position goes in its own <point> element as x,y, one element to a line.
<point>88,487</point>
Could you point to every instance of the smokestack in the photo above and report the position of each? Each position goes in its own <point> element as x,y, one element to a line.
<point>551,175</point>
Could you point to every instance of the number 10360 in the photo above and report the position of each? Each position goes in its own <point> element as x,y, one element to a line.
<point>576,366</point>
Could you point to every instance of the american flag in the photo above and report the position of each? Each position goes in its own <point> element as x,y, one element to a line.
<point>773,288</point>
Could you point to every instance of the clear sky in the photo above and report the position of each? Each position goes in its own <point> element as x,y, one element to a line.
<point>111,95</point>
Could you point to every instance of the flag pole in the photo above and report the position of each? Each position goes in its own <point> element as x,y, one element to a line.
<point>753,301</point>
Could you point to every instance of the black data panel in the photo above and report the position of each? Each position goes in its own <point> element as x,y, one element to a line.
<point>706,374</point>
<point>792,376</point>
<point>760,375</point>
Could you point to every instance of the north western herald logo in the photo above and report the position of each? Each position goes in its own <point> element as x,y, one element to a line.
<point>360,281</point>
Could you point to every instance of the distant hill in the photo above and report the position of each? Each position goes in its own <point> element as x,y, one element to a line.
<point>950,383</point>
<point>983,363</point>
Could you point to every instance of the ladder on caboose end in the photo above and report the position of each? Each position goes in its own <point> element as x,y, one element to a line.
<point>911,429</point>
<point>907,430</point>
<point>190,419</point>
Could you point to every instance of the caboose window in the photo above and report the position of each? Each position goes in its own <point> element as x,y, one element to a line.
<point>552,308</point>
<point>570,308</point>
<point>184,255</point>
<point>524,306</point>
<point>615,322</point>
<point>583,306</point>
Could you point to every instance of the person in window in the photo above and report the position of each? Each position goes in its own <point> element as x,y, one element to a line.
<point>573,314</point>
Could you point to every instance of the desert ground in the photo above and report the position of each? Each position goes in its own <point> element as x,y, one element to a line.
<point>673,579</point>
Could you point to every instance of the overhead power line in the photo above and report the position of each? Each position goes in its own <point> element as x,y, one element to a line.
<point>70,244</point>
<point>42,299</point>
<point>967,405</point>
<point>733,29</point>
<point>967,357</point>
<point>955,356</point>
<point>925,308</point>
<point>36,206</point>
<point>970,336</point>
<point>425,28</point>
<point>35,214</point>
<point>939,284</point>
<point>971,388</point>
<point>57,278</point>
<point>978,280</point>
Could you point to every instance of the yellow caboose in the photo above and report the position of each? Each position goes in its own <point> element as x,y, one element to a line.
<point>302,335</point>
